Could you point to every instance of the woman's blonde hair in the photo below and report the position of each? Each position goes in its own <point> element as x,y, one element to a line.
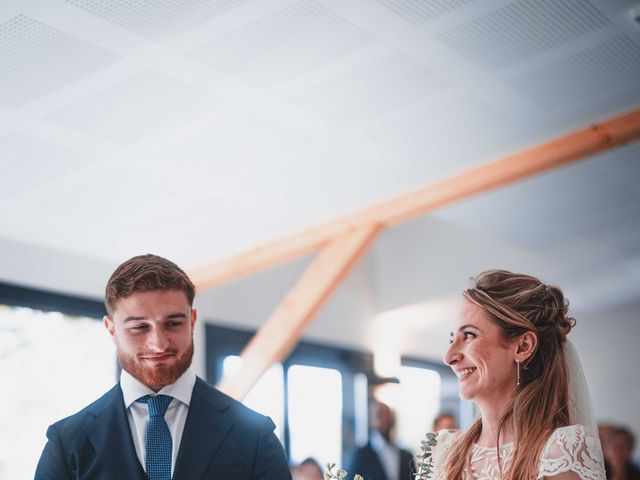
<point>518,304</point>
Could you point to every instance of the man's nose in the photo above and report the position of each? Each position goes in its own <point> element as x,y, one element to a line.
<point>157,339</point>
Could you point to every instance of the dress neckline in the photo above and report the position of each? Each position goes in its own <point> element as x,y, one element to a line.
<point>484,449</point>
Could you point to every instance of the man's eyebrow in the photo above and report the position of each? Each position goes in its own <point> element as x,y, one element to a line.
<point>132,318</point>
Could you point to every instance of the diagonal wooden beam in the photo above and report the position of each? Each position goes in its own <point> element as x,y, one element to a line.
<point>282,331</point>
<point>578,145</point>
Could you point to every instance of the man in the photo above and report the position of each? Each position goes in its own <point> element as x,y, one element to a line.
<point>381,459</point>
<point>160,421</point>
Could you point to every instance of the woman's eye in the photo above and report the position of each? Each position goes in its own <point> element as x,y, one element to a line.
<point>468,335</point>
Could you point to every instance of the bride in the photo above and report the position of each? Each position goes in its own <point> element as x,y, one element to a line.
<point>510,353</point>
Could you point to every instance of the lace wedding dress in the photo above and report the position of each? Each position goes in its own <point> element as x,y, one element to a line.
<point>569,449</point>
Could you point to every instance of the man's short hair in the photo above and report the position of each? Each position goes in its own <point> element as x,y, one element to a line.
<point>146,273</point>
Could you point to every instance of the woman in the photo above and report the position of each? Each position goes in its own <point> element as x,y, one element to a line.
<point>508,351</point>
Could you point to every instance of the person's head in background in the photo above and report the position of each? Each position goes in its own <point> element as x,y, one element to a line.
<point>619,445</point>
<point>383,419</point>
<point>445,421</point>
<point>309,469</point>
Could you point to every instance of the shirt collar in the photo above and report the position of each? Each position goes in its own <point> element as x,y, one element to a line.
<point>181,389</point>
<point>378,443</point>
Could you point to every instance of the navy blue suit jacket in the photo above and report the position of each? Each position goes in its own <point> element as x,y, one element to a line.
<point>222,439</point>
<point>366,462</point>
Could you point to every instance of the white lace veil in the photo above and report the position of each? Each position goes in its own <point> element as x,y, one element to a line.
<point>580,406</point>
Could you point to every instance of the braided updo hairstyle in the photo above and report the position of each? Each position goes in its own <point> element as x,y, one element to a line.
<point>517,304</point>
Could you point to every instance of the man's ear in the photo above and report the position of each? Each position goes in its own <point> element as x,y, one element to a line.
<point>526,346</point>
<point>108,324</point>
<point>194,316</point>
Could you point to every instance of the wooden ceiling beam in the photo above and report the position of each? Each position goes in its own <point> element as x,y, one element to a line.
<point>282,331</point>
<point>575,146</point>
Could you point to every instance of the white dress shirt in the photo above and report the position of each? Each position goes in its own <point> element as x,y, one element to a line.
<point>138,413</point>
<point>388,454</point>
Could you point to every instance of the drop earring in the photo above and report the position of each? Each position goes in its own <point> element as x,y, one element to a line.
<point>517,373</point>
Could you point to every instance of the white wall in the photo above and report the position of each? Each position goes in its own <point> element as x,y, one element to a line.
<point>429,259</point>
<point>53,270</point>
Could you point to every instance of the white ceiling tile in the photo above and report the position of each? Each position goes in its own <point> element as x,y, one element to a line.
<point>609,69</point>
<point>34,162</point>
<point>419,11</point>
<point>239,123</point>
<point>230,147</point>
<point>442,139</point>
<point>157,20</point>
<point>37,59</point>
<point>283,44</point>
<point>589,201</point>
<point>144,104</point>
<point>521,29</point>
<point>378,88</point>
<point>115,195</point>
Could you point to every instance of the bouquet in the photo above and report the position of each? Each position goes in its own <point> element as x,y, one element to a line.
<point>425,459</point>
<point>340,474</point>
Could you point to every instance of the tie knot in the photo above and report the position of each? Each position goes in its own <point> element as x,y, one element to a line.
<point>157,404</point>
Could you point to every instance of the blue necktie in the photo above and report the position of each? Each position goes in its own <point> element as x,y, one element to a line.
<point>158,439</point>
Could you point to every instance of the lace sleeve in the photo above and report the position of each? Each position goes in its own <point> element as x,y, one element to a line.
<point>572,449</point>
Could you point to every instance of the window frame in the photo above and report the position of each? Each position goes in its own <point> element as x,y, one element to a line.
<point>222,340</point>
<point>47,301</point>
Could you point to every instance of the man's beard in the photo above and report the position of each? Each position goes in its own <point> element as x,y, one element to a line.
<point>160,376</point>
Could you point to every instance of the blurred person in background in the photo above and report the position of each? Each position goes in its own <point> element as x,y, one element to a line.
<point>309,469</point>
<point>445,421</point>
<point>381,458</point>
<point>618,447</point>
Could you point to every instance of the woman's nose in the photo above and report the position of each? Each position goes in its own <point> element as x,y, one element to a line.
<point>453,355</point>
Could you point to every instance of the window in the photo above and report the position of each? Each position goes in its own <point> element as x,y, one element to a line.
<point>319,396</point>
<point>315,413</point>
<point>52,365</point>
<point>267,396</point>
<point>419,404</point>
<point>361,407</point>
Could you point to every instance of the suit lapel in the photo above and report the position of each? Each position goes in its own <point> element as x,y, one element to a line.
<point>375,459</point>
<point>205,429</point>
<point>110,434</point>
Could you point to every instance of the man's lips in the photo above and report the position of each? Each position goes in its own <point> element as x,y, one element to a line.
<point>157,357</point>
